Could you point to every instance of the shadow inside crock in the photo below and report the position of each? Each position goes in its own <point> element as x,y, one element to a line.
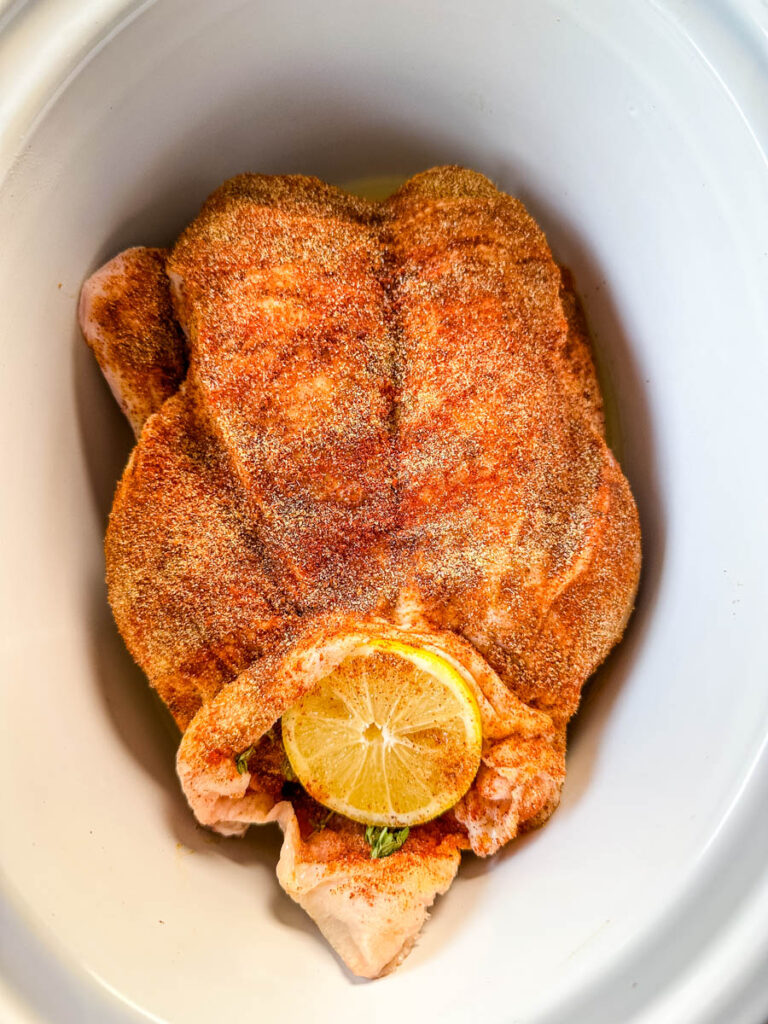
<point>140,720</point>
<point>370,149</point>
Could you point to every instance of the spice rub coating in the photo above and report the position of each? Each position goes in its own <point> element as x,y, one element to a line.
<point>278,283</point>
<point>523,533</point>
<point>390,424</point>
<point>127,317</point>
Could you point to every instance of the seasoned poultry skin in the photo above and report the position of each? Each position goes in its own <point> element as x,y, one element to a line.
<point>390,424</point>
<point>127,317</point>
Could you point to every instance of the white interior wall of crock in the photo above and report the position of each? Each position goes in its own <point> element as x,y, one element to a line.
<point>603,123</point>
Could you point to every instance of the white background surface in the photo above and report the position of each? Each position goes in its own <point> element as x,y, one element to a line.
<point>636,134</point>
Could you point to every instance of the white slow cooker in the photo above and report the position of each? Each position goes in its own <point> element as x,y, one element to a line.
<point>636,133</point>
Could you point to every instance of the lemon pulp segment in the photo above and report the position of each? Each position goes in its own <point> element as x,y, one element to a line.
<point>392,736</point>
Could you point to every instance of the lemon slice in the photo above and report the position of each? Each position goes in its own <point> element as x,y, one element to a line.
<point>391,737</point>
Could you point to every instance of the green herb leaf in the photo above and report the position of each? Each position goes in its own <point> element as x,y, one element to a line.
<point>241,761</point>
<point>319,823</point>
<point>383,842</point>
